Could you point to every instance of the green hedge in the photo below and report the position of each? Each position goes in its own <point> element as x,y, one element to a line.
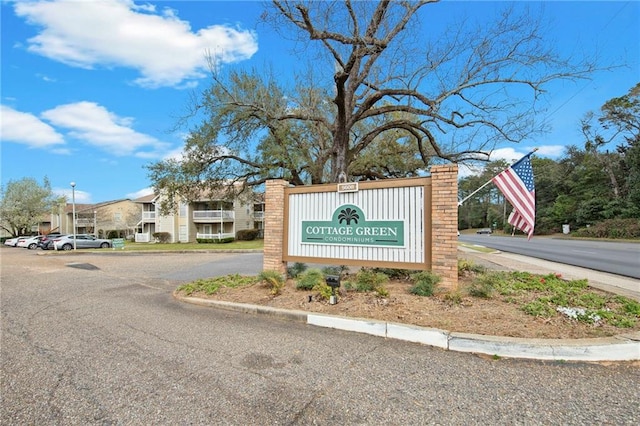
<point>215,240</point>
<point>611,228</point>
<point>247,234</point>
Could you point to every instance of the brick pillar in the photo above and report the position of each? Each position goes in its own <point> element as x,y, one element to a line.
<point>444,216</point>
<point>274,226</point>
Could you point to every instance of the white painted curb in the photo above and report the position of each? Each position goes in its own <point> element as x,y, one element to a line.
<point>624,347</point>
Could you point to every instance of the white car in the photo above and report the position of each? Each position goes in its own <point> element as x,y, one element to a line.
<point>11,242</point>
<point>29,242</point>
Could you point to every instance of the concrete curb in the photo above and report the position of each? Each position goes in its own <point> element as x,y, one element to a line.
<point>624,347</point>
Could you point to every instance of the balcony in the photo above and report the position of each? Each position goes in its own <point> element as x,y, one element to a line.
<point>148,216</point>
<point>142,237</point>
<point>259,216</point>
<point>213,216</point>
<point>85,221</point>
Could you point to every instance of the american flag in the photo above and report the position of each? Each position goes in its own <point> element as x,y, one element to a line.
<point>516,183</point>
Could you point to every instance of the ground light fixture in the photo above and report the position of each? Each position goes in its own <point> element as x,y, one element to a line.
<point>333,281</point>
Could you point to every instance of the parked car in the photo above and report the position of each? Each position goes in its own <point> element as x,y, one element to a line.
<point>82,241</point>
<point>12,242</point>
<point>487,231</point>
<point>46,243</point>
<point>30,242</point>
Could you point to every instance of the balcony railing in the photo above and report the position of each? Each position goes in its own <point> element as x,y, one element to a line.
<point>215,236</point>
<point>258,216</point>
<point>142,237</point>
<point>213,215</point>
<point>148,216</point>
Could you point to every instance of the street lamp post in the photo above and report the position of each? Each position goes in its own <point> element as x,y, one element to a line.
<point>95,223</point>
<point>73,204</point>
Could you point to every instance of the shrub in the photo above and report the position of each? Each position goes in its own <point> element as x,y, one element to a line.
<point>162,237</point>
<point>394,273</point>
<point>424,283</point>
<point>310,279</point>
<point>112,234</point>
<point>273,280</point>
<point>335,270</point>
<point>296,269</point>
<point>247,234</point>
<point>323,289</point>
<point>611,228</point>
<point>484,285</point>
<point>215,240</point>
<point>369,280</point>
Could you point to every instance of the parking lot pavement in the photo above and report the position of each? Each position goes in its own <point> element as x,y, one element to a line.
<point>111,346</point>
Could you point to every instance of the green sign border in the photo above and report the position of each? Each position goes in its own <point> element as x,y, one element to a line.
<point>348,226</point>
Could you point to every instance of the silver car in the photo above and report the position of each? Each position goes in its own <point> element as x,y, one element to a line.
<point>82,241</point>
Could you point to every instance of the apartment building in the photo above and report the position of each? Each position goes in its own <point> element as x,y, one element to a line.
<point>204,218</point>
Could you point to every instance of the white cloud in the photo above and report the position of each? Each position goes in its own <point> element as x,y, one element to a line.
<point>141,193</point>
<point>27,129</point>
<point>81,197</point>
<point>553,151</point>
<point>118,33</point>
<point>94,124</point>
<point>510,155</point>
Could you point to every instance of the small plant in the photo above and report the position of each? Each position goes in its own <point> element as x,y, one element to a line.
<point>381,291</point>
<point>628,306</point>
<point>394,273</point>
<point>212,285</point>
<point>467,267</point>
<point>335,270</point>
<point>273,279</point>
<point>323,289</point>
<point>539,308</point>
<point>296,269</point>
<point>309,279</point>
<point>484,285</point>
<point>368,280</point>
<point>453,297</point>
<point>424,283</point>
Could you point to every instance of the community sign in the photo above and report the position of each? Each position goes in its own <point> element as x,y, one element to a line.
<point>348,226</point>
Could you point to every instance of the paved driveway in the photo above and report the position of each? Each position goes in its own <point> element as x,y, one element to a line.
<point>103,342</point>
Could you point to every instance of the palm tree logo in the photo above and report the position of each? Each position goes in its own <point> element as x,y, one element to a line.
<point>348,215</point>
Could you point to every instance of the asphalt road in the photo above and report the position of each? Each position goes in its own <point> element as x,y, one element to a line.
<point>98,339</point>
<point>613,257</point>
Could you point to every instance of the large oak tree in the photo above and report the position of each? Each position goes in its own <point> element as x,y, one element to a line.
<point>387,95</point>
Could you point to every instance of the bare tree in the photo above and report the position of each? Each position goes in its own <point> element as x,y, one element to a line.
<point>396,88</point>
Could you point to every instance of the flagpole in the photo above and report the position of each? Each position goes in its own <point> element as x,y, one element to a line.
<point>491,180</point>
<point>472,194</point>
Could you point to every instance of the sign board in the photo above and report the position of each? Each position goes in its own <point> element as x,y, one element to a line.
<point>117,243</point>
<point>349,226</point>
<point>348,187</point>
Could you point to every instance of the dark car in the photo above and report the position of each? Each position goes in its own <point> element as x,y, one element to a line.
<point>487,231</point>
<point>46,243</point>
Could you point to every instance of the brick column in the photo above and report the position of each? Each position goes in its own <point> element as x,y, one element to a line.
<point>274,226</point>
<point>444,216</point>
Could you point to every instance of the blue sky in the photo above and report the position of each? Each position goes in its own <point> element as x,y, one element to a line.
<point>90,91</point>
